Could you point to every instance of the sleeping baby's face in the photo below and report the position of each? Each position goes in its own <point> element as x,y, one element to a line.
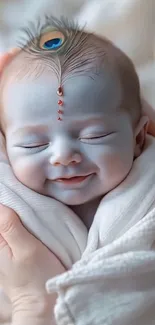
<point>83,156</point>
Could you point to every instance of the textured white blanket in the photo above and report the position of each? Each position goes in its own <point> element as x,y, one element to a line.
<point>114,282</point>
<point>49,220</point>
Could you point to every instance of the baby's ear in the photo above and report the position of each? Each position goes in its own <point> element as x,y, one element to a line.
<point>150,112</point>
<point>140,134</point>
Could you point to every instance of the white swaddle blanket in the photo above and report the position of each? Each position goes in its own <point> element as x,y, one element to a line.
<point>49,220</point>
<point>114,282</point>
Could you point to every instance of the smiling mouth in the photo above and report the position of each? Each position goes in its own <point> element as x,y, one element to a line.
<point>72,180</point>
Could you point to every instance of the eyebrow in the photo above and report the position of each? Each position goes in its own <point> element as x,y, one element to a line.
<point>85,120</point>
<point>42,128</point>
<point>31,129</point>
<point>92,119</point>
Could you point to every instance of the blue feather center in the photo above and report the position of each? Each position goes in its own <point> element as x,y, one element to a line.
<point>53,44</point>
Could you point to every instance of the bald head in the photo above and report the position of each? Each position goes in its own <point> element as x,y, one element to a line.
<point>79,54</point>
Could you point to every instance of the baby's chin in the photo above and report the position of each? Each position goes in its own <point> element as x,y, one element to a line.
<point>71,197</point>
<point>71,200</point>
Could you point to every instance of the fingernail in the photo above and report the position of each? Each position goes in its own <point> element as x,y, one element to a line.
<point>14,50</point>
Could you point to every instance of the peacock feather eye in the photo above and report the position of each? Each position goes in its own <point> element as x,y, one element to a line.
<point>51,40</point>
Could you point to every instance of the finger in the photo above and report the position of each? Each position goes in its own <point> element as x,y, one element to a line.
<point>15,50</point>
<point>7,57</point>
<point>151,128</point>
<point>4,58</point>
<point>13,232</point>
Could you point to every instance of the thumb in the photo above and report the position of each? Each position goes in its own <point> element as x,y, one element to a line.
<point>13,232</point>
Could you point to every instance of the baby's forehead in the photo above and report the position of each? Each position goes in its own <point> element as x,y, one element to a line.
<point>82,94</point>
<point>89,54</point>
<point>26,67</point>
<point>22,67</point>
<point>94,74</point>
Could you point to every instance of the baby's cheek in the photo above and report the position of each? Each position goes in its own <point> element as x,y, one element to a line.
<point>115,165</point>
<point>29,172</point>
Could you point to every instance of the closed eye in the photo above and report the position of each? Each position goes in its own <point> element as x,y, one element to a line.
<point>90,138</point>
<point>34,148</point>
<point>94,137</point>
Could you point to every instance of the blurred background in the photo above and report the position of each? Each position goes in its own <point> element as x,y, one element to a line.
<point>130,24</point>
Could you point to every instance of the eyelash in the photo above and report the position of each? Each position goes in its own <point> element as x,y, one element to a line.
<point>85,140</point>
<point>93,138</point>
<point>36,148</point>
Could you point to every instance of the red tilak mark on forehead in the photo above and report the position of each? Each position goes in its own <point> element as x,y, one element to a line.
<point>60,91</point>
<point>60,102</point>
<point>60,111</point>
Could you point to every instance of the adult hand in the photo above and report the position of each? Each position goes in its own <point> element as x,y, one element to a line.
<point>25,266</point>
<point>5,58</point>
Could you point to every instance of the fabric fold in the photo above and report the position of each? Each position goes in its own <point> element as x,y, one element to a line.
<point>114,281</point>
<point>49,220</point>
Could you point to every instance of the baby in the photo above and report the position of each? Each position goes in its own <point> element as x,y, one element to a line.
<point>71,116</point>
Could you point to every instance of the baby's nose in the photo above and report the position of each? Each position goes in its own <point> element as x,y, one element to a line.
<point>65,154</point>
